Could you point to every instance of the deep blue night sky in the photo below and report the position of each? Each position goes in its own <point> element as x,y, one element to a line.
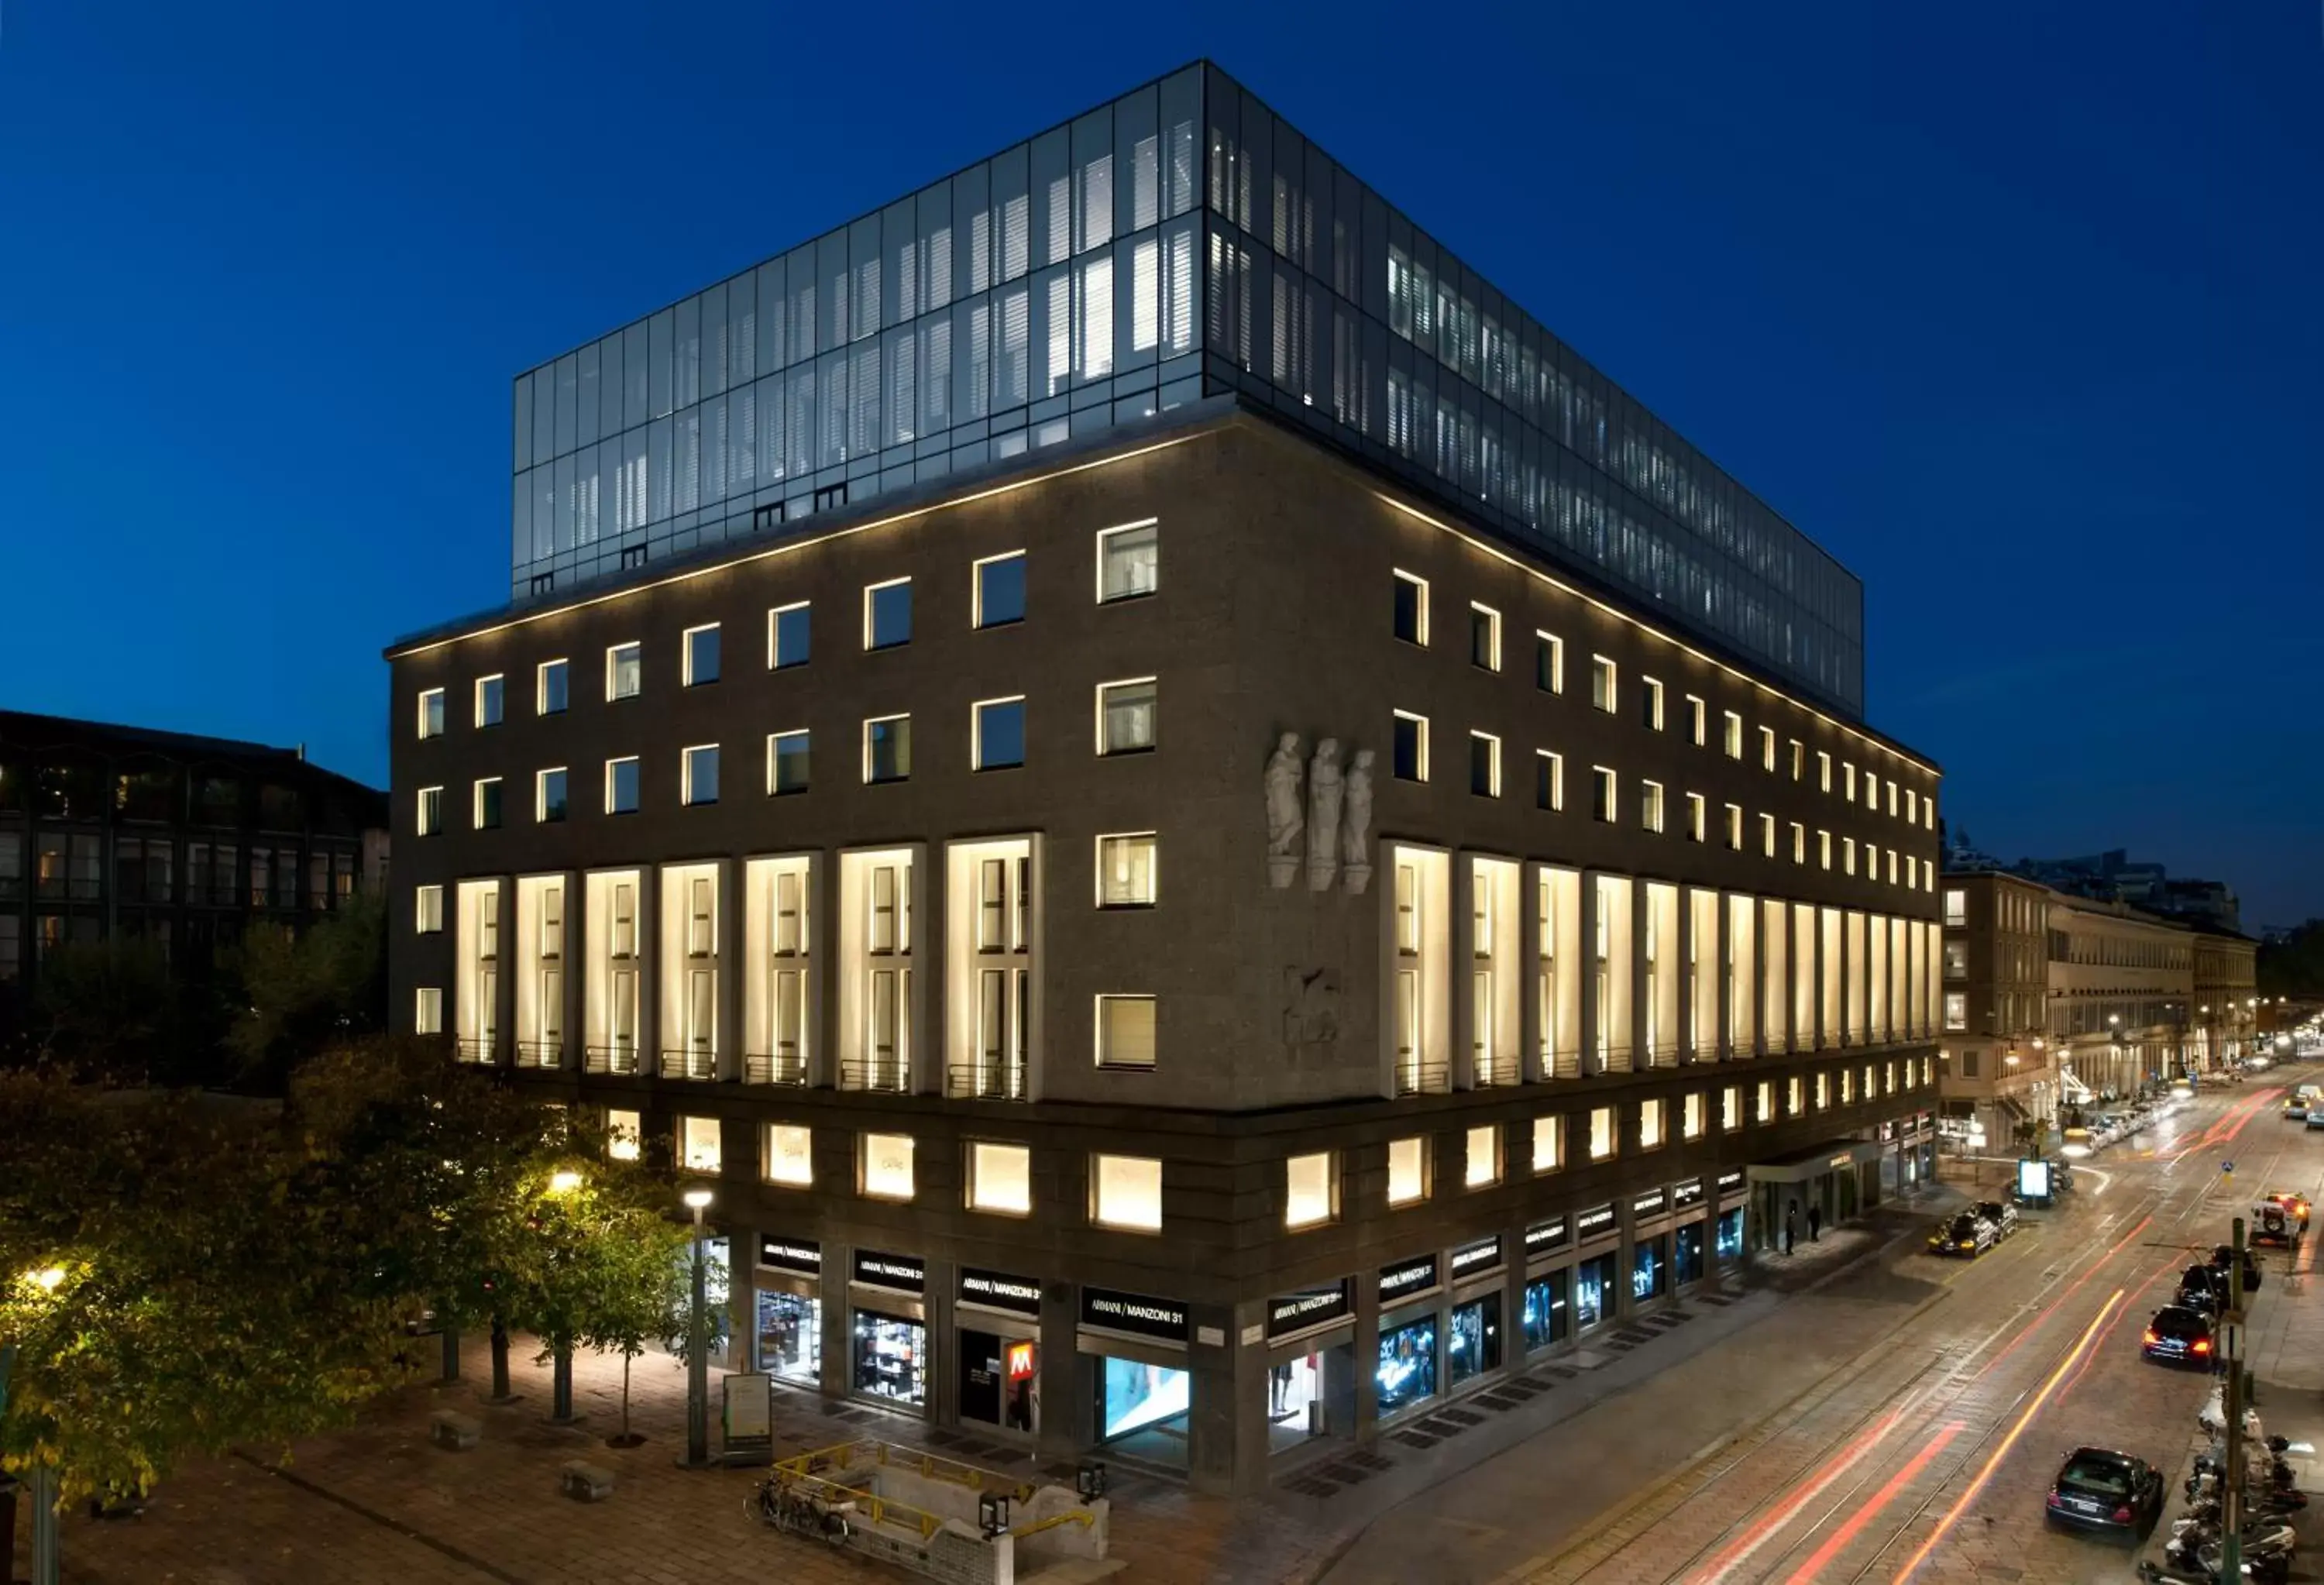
<point>2013,307</point>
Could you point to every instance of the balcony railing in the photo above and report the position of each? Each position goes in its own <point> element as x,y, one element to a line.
<point>692,1062</point>
<point>759,1068</point>
<point>541,1053</point>
<point>889,1075</point>
<point>1662,1054</point>
<point>1561,1065</point>
<point>609,1059</point>
<point>482,1049</point>
<point>1423,1078</point>
<point>987,1081</point>
<point>1496,1072</point>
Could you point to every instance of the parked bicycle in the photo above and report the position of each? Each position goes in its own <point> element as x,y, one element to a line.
<point>787,1506</point>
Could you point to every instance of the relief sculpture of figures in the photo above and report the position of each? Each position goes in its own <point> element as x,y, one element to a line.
<point>1284,819</point>
<point>1323,789</point>
<point>1356,825</point>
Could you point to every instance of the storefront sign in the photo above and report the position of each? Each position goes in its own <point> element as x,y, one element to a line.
<point>1161,1318</point>
<point>1477,1255</point>
<point>1592,1224</point>
<point>790,1254</point>
<point>995,1290</point>
<point>1297,1312</point>
<point>1844,1159</point>
<point>1730,1182</point>
<point>1545,1235</point>
<point>906,1273</point>
<point>1689,1192</point>
<point>1405,1278</point>
<point>1652,1204</point>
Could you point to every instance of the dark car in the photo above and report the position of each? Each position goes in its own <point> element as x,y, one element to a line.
<point>2179,1334</point>
<point>2223,1256</point>
<point>1968,1234</point>
<point>2003,1216</point>
<point>2113,1493</point>
<point>2202,1289</point>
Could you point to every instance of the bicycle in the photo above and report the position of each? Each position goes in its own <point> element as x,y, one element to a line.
<point>783,1506</point>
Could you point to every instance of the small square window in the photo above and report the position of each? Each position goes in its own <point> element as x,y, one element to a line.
<point>1650,806</point>
<point>1603,800</point>
<point>1126,1192</point>
<point>1697,818</point>
<point>997,730</point>
<point>427,1011</point>
<point>427,910</point>
<point>1484,637</point>
<point>430,811</point>
<point>1126,874</point>
<point>1604,685</point>
<point>1000,590</point>
<point>1407,1170</point>
<point>787,761</point>
<point>1548,1143</point>
<point>1311,1190</point>
<point>1602,1142</point>
<point>1129,561</point>
<point>549,687</point>
<point>884,1166</point>
<point>1482,1164</point>
<point>1731,734</point>
<point>549,795</point>
<point>698,774</point>
<point>1549,663</point>
<point>1125,716</point>
<point>1410,754</point>
<point>431,712</point>
<point>489,698</point>
<point>1548,780</point>
<point>887,614</point>
<point>1000,1178</point>
<point>624,670</point>
<point>702,654</point>
<point>790,1156</point>
<point>1484,765</point>
<point>789,636</point>
<point>1411,615</point>
<point>1125,1032</point>
<point>621,786</point>
<point>887,749</point>
<point>1650,700</point>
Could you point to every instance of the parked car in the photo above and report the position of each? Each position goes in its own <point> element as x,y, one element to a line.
<point>2223,1256</point>
<point>2295,1201</point>
<point>2177,1335</point>
<point>2274,1222</point>
<point>2113,1493</point>
<point>2295,1109</point>
<point>2000,1214</point>
<point>2204,1288</point>
<point>1967,1234</point>
<point>2316,1115</point>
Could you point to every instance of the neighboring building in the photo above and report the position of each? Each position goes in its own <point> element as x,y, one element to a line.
<point>2120,983</point>
<point>1999,1072</point>
<point>2226,1022</point>
<point>1080,1062</point>
<point>2115,875</point>
<point>123,833</point>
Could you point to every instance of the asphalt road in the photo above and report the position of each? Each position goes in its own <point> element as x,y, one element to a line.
<point>1900,1425</point>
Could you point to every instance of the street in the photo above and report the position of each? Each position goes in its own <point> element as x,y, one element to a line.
<point>1905,1421</point>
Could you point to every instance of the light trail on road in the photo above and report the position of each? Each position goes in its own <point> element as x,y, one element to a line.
<point>1898,1482</point>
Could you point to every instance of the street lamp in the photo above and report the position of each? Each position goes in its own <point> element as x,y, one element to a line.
<point>43,1475</point>
<point>697,1346</point>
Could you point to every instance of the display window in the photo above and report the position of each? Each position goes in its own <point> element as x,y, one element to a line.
<point>1408,1365</point>
<point>1133,1395</point>
<point>890,1357</point>
<point>1546,1316</point>
<point>1473,1345</point>
<point>1593,1292</point>
<point>1686,1254</point>
<point>1650,1268</point>
<point>1000,1380</point>
<point>1731,1234</point>
<point>790,1337</point>
<point>1295,1396</point>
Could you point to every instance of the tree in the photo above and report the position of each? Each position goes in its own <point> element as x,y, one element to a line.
<point>111,1009</point>
<point>303,993</point>
<point>641,1293</point>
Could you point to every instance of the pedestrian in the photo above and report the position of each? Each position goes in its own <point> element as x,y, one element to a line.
<point>1791,1224</point>
<point>1815,1223</point>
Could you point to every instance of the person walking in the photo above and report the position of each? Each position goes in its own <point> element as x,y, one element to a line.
<point>1791,1224</point>
<point>1815,1223</point>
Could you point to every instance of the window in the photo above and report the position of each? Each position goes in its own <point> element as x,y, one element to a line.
<point>1731,1108</point>
<point>1768,749</point>
<point>1601,1132</point>
<point>1956,1009</point>
<point>1847,781</point>
<point>1823,849</point>
<point>1653,1123</point>
<point>1799,760</point>
<point>1848,855</point>
<point>432,811</point>
<point>790,1156</point>
<point>1603,687</point>
<point>1691,1116</point>
<point>1549,663</point>
<point>1824,771</point>
<point>999,595</point>
<point>997,733</point>
<point>1799,843</point>
<point>431,712</point>
<point>887,614</point>
<point>1484,637</point>
<point>701,655</point>
<point>887,749</point>
<point>789,637</point>
<point>1651,702</point>
<point>1484,765</point>
<point>624,670</point>
<point>1956,907</point>
<point>621,786</point>
<point>1765,1101</point>
<point>489,693</point>
<point>1000,1178</point>
<point>427,910</point>
<point>1129,561</point>
<point>698,774</point>
<point>884,1166</point>
<point>548,689</point>
<point>1548,1143</point>
<point>787,761</point>
<point>1697,717</point>
<point>1734,827</point>
<point>1311,1190</point>
<point>1872,791</point>
<point>1125,716</point>
<point>1731,737</point>
<point>1602,794</point>
<point>698,1144</point>
<point>1126,870</point>
<point>1794,1097</point>
<point>1411,747</point>
<point>1482,1164</point>
<point>1126,1192</point>
<point>1548,780</point>
<point>1767,836</point>
<point>1407,1170</point>
<point>1412,609</point>
<point>1650,806</point>
<point>549,795</point>
<point>1125,1032</point>
<point>427,1011</point>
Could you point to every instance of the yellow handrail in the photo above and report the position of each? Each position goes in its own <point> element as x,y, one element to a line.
<point>1080,1517</point>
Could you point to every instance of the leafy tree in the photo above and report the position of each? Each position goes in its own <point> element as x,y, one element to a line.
<point>301,993</point>
<point>640,1294</point>
<point>112,1009</point>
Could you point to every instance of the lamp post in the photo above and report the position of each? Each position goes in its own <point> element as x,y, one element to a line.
<point>697,1348</point>
<point>40,1481</point>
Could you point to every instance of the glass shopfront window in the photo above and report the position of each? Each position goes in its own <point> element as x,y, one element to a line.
<point>1650,1268</point>
<point>1593,1292</point>
<point>790,1337</point>
<point>1686,1254</point>
<point>1133,1395</point>
<point>1546,1317</point>
<point>1731,1234</point>
<point>1408,1365</point>
<point>1000,1380</point>
<point>1474,1344</point>
<point>891,1358</point>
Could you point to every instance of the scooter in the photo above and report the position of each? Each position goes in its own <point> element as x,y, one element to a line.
<point>2266,1553</point>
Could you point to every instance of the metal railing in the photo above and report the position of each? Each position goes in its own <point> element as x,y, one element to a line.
<point>1662,1054</point>
<point>887,1075</point>
<point>609,1059</point>
<point>1498,1072</point>
<point>815,1473</point>
<point>541,1053</point>
<point>761,1068</point>
<point>690,1062</point>
<point>1423,1078</point>
<point>987,1081</point>
<point>1561,1065</point>
<point>482,1049</point>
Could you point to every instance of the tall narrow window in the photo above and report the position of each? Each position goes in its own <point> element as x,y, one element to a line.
<point>1650,806</point>
<point>624,670</point>
<point>1734,827</point>
<point>490,691</point>
<point>1824,771</point>
<point>1000,590</point>
<point>1411,610</point>
<point>1604,685</point>
<point>699,773</point>
<point>549,688</point>
<point>1731,734</point>
<point>1768,749</point>
<point>431,712</point>
<point>1548,780</point>
<point>787,761</point>
<point>488,804</point>
<point>1410,747</point>
<point>1484,765</point>
<point>1603,800</point>
<point>549,795</point>
<point>887,614</point>
<point>1697,818</point>
<point>1484,637</point>
<point>1650,702</point>
<point>1548,663</point>
<point>1697,716</point>
<point>789,636</point>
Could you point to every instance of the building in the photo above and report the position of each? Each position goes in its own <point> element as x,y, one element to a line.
<point>1999,1074</point>
<point>2142,883</point>
<point>127,834</point>
<point>1169,937</point>
<point>2226,1025</point>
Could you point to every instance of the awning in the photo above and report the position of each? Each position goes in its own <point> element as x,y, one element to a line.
<point>1799,1165</point>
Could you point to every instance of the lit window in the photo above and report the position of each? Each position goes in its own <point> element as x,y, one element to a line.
<point>1601,1132</point>
<point>1604,686</point>
<point>1768,749</point>
<point>549,687</point>
<point>1650,806</point>
<point>1892,798</point>
<point>1650,695</point>
<point>997,733</point>
<point>1411,747</point>
<point>431,712</point>
<point>1765,1101</point>
<point>1824,771</point>
<point>1824,1092</point>
<point>1823,849</point>
<point>1799,843</point>
<point>1548,1143</point>
<point>1603,795</point>
<point>624,1129</point>
<point>885,1165</point>
<point>1891,866</point>
<point>1956,1009</point>
<point>1549,663</point>
<point>1481,1166</point>
<point>432,811</point>
<point>1698,828</point>
<point>1548,780</point>
<point>789,638</point>
<point>1691,1115</point>
<point>790,1156</point>
<point>428,909</point>
<point>887,614</point>
<point>1484,637</point>
<point>1911,807</point>
<point>787,761</point>
<point>489,698</point>
<point>549,795</point>
<point>1000,590</point>
<point>701,652</point>
<point>1125,1031</point>
<point>698,774</point>
<point>1484,765</point>
<point>1652,1122</point>
<point>1734,827</point>
<point>1697,718</point>
<point>1731,1108</point>
<point>698,1144</point>
<point>1126,1192</point>
<point>1311,1186</point>
<point>887,749</point>
<point>1793,1102</point>
<point>1407,1170</point>
<point>1412,609</point>
<point>1000,1178</point>
<point>621,786</point>
<point>1125,716</point>
<point>1767,835</point>
<point>427,1011</point>
<point>1799,760</point>
<point>1731,734</point>
<point>624,670</point>
<point>1129,561</point>
<point>1847,781</point>
<point>1956,907</point>
<point>1848,855</point>
<point>1126,870</point>
<point>1872,791</point>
